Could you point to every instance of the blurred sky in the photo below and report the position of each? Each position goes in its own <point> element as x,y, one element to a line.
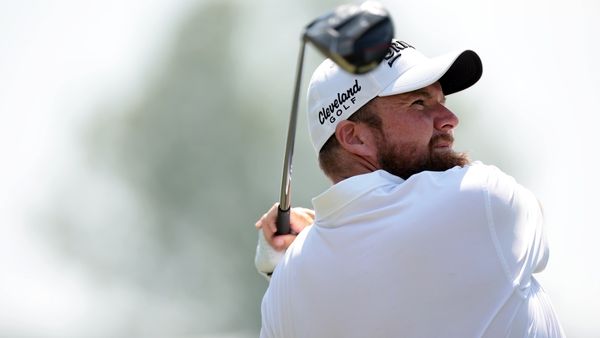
<point>59,60</point>
<point>537,101</point>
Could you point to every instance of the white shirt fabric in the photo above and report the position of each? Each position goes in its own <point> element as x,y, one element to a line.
<point>442,254</point>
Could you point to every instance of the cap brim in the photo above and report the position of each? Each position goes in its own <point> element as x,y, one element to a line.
<point>455,71</point>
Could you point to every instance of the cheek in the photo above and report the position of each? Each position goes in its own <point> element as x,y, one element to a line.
<point>409,131</point>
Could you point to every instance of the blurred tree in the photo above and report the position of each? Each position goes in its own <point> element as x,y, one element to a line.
<point>189,152</point>
<point>187,149</point>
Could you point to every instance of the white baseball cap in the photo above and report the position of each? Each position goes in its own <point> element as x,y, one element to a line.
<point>334,94</point>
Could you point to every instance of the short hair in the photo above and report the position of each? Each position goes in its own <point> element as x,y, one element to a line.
<point>329,160</point>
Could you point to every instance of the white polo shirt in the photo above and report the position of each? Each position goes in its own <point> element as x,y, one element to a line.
<point>442,254</point>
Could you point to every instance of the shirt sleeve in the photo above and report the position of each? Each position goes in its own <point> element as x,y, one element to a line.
<point>517,225</point>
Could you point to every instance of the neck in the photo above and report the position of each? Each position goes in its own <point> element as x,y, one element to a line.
<point>352,165</point>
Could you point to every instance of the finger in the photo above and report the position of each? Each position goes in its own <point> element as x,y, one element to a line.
<point>309,212</point>
<point>287,240</point>
<point>259,223</point>
<point>300,218</point>
<point>270,238</point>
<point>282,242</point>
<point>278,242</point>
<point>271,218</point>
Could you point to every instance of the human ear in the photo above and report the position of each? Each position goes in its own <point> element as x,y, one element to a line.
<point>355,138</point>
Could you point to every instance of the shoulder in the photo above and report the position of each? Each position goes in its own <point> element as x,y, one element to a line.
<point>478,179</point>
<point>470,178</point>
<point>502,189</point>
<point>486,171</point>
<point>488,177</point>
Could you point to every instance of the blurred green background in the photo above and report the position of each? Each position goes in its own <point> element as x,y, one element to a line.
<point>141,140</point>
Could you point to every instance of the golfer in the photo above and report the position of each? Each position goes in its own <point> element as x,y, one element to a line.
<point>412,239</point>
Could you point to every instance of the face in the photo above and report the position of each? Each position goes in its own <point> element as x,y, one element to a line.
<point>417,133</point>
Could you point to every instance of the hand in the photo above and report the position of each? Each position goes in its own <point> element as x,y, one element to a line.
<point>300,218</point>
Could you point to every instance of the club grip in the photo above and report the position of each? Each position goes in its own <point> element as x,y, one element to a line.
<point>283,222</point>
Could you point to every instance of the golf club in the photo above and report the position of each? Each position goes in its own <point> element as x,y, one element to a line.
<point>357,38</point>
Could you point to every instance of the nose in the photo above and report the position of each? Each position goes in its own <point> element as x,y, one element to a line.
<point>445,120</point>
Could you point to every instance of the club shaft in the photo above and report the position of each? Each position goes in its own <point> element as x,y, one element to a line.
<point>286,180</point>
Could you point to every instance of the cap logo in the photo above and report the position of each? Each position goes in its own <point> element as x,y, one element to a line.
<point>395,51</point>
<point>329,112</point>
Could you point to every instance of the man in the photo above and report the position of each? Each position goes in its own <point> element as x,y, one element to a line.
<point>412,240</point>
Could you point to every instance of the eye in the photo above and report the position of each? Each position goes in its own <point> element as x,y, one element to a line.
<point>419,102</point>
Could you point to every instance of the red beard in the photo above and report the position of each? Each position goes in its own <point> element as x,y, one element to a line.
<point>409,159</point>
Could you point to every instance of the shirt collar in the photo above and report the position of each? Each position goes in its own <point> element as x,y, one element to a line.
<point>345,192</point>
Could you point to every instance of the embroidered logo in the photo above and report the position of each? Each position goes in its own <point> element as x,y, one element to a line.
<point>395,51</point>
<point>329,112</point>
<point>346,98</point>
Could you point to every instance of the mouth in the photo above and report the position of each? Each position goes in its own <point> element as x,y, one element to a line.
<point>443,145</point>
<point>442,142</point>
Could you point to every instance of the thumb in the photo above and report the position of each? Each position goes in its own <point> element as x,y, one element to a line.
<point>282,242</point>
